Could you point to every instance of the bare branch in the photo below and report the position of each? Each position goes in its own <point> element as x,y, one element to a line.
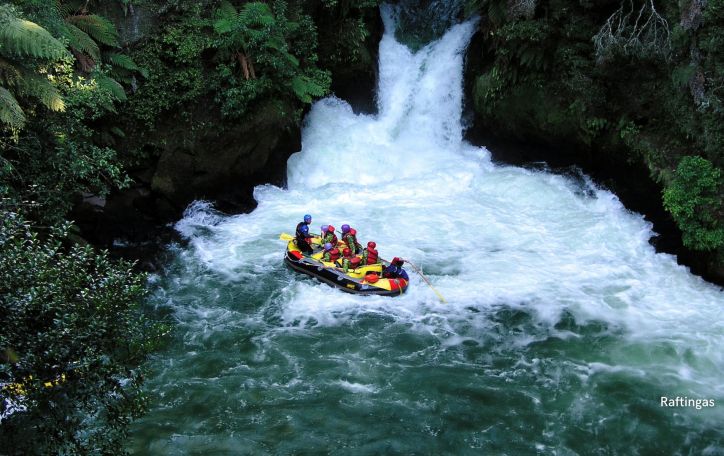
<point>646,35</point>
<point>521,8</point>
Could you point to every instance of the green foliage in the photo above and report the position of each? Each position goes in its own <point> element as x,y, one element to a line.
<point>22,38</point>
<point>10,111</point>
<point>72,339</point>
<point>178,76</point>
<point>25,50</point>
<point>488,89</point>
<point>344,36</point>
<point>695,197</point>
<point>97,27</point>
<point>254,43</point>
<point>52,160</point>
<point>643,91</point>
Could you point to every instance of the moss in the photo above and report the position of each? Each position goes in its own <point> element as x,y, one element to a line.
<point>537,78</point>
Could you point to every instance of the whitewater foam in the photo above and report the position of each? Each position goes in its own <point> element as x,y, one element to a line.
<point>486,235</point>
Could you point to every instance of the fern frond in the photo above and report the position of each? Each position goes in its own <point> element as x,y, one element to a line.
<point>38,86</point>
<point>227,10</point>
<point>24,38</point>
<point>121,60</point>
<point>224,25</point>
<point>111,85</point>
<point>11,113</point>
<point>81,41</point>
<point>9,73</point>
<point>257,14</point>
<point>280,46</point>
<point>305,88</point>
<point>101,29</point>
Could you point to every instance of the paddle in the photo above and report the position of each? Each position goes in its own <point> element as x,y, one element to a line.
<point>417,270</point>
<point>289,237</point>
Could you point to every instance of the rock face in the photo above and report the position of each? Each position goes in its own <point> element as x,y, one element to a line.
<point>223,164</point>
<point>133,22</point>
<point>197,154</point>
<point>516,133</point>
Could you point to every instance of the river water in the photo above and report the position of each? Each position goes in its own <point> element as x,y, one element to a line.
<point>561,331</point>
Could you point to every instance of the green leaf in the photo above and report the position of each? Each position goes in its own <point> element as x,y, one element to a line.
<point>20,37</point>
<point>10,111</point>
<point>121,60</point>
<point>82,42</point>
<point>101,29</point>
<point>305,88</point>
<point>39,87</point>
<point>112,86</point>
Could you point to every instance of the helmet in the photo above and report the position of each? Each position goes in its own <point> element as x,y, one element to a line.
<point>324,228</point>
<point>346,252</point>
<point>304,229</point>
<point>330,228</point>
<point>395,260</point>
<point>353,232</point>
<point>328,246</point>
<point>307,218</point>
<point>371,245</point>
<point>345,228</point>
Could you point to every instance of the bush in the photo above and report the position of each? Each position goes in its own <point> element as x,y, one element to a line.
<point>71,344</point>
<point>694,198</point>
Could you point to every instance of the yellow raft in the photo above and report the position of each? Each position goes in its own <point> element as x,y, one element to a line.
<point>364,280</point>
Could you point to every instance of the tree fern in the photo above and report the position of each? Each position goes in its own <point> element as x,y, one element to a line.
<point>226,18</point>
<point>9,73</point>
<point>19,37</point>
<point>101,29</point>
<point>111,85</point>
<point>305,88</point>
<point>257,14</point>
<point>80,40</point>
<point>10,111</point>
<point>121,60</point>
<point>40,87</point>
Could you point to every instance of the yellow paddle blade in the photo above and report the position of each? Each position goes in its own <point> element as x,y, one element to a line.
<point>286,237</point>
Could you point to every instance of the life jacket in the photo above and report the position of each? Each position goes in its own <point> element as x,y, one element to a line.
<point>299,233</point>
<point>334,254</point>
<point>391,272</point>
<point>351,241</point>
<point>371,255</point>
<point>331,238</point>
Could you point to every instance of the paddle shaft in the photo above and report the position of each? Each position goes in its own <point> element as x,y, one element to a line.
<point>417,270</point>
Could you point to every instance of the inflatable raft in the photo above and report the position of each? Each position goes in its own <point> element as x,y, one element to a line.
<point>365,280</point>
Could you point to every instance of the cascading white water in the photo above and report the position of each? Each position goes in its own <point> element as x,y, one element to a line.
<point>491,238</point>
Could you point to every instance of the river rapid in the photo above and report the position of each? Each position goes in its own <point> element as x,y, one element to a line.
<point>561,331</point>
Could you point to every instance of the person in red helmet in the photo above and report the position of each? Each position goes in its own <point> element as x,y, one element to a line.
<point>349,236</point>
<point>330,236</point>
<point>369,255</point>
<point>394,270</point>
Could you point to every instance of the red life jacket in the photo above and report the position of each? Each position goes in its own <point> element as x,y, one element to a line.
<point>334,255</point>
<point>371,256</point>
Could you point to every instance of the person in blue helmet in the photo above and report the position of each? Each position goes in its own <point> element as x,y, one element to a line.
<point>394,270</point>
<point>302,236</point>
